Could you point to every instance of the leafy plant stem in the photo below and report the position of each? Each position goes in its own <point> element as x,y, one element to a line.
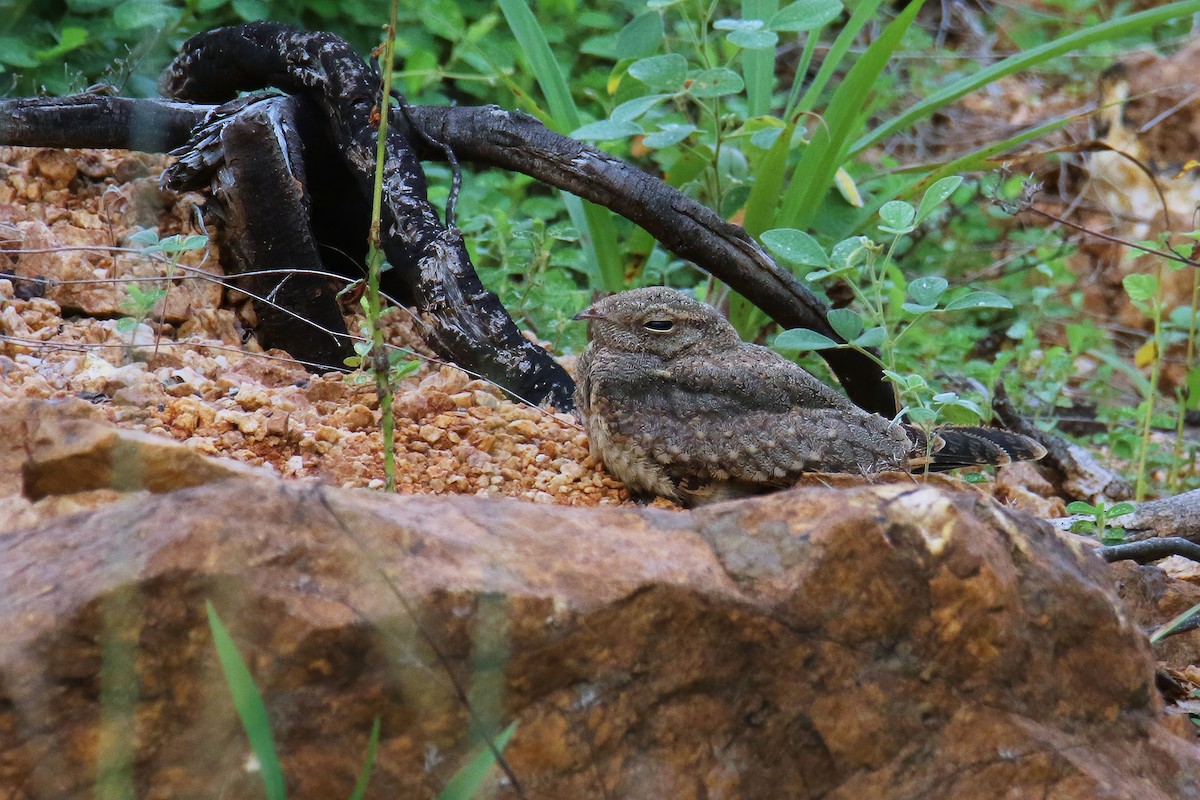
<point>380,365</point>
<point>1184,392</point>
<point>1151,390</point>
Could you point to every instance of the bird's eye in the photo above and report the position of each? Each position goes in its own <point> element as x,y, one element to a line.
<point>658,325</point>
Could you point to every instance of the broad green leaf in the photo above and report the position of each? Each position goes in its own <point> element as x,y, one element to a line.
<point>758,67</point>
<point>898,217</point>
<point>144,237</point>
<point>641,37</point>
<point>1080,507</point>
<point>918,308</point>
<point>70,39</point>
<point>135,14</point>
<point>801,339</point>
<point>795,247</point>
<point>251,10</point>
<point>606,130</point>
<point>248,702</point>
<point>632,109</point>
<point>466,782</point>
<point>806,15</point>
<point>716,82</point>
<point>937,194</point>
<point>1140,288</point>
<point>753,40</point>
<point>871,337</point>
<point>732,24</point>
<point>849,252</point>
<point>669,135</point>
<point>17,53</point>
<point>978,300</point>
<point>666,73</point>
<point>127,325</point>
<point>926,291</point>
<point>1120,510</point>
<point>846,323</point>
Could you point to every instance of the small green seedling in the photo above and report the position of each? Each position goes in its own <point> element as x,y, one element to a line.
<point>1100,515</point>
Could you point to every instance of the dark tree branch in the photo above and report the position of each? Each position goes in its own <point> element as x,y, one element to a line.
<point>483,135</point>
<point>1150,550</point>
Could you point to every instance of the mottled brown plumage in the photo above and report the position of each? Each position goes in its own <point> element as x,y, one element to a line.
<point>677,405</point>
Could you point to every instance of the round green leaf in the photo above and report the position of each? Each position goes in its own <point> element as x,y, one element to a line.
<point>714,83</point>
<point>872,337</point>
<point>641,37</point>
<point>135,14</point>
<point>926,291</point>
<point>801,339</point>
<point>805,15</point>
<point>753,40</point>
<point>978,300</point>
<point>936,195</point>
<point>669,135</point>
<point>661,72</point>
<point>898,217</point>
<point>632,109</point>
<point>606,130</point>
<point>845,323</point>
<point>795,247</point>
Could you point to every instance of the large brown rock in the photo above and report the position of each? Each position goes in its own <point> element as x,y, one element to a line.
<point>891,641</point>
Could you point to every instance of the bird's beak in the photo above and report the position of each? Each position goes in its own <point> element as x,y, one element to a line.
<point>588,313</point>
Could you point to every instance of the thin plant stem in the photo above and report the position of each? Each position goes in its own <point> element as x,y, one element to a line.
<point>378,358</point>
<point>1184,392</point>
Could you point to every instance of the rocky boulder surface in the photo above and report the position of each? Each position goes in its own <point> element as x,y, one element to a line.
<point>887,641</point>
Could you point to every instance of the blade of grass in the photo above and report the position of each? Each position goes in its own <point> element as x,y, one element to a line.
<point>863,13</point>
<point>825,152</point>
<point>763,200</point>
<point>360,787</point>
<point>596,228</point>
<point>1103,31</point>
<point>249,704</point>
<point>1165,630</point>
<point>758,66</point>
<point>469,778</point>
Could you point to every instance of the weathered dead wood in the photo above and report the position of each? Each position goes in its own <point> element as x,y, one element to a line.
<point>1150,550</point>
<point>486,135</point>
<point>1075,472</point>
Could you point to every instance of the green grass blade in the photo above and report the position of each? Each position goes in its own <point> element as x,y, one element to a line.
<point>249,704</point>
<point>1166,630</point>
<point>758,66</point>
<point>1112,29</point>
<point>360,788</point>
<point>763,200</point>
<point>826,150</point>
<point>596,228</point>
<point>863,13</point>
<point>466,781</point>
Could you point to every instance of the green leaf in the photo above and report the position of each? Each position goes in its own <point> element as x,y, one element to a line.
<point>606,130</point>
<point>467,781</point>
<point>251,10</point>
<point>926,291</point>
<point>641,37</point>
<point>753,40</point>
<point>845,323</point>
<point>135,14</point>
<point>669,135</point>
<point>127,325</point>
<point>1140,288</point>
<point>795,247</point>
<point>144,237</point>
<point>802,339</point>
<point>898,217</point>
<point>16,53</point>
<point>871,337</point>
<point>666,73</point>
<point>1119,510</point>
<point>249,704</point>
<point>1080,507</point>
<point>632,109</point>
<point>937,194</point>
<point>1165,630</point>
<point>69,39</point>
<point>716,82</point>
<point>978,300</point>
<point>806,15</point>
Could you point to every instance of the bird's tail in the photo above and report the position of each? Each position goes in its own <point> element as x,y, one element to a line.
<point>952,447</point>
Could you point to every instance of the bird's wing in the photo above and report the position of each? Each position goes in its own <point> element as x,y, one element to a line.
<point>748,415</point>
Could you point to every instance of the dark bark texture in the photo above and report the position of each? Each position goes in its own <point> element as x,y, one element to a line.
<point>433,272</point>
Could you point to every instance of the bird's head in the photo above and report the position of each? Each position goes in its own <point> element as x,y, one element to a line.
<point>660,321</point>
